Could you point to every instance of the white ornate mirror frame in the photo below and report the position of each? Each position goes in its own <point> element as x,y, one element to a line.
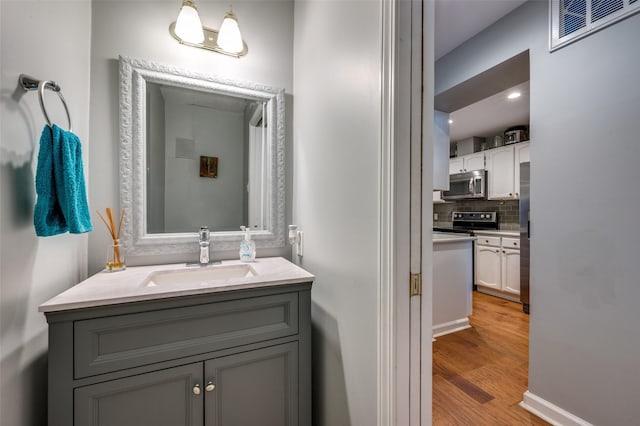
<point>134,74</point>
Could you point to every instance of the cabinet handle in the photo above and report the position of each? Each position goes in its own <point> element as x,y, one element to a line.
<point>196,390</point>
<point>210,387</point>
<point>510,194</point>
<point>497,251</point>
<point>515,244</point>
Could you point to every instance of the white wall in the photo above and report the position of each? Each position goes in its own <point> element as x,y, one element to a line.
<point>140,30</point>
<point>48,40</point>
<point>192,201</point>
<point>337,145</point>
<point>585,104</point>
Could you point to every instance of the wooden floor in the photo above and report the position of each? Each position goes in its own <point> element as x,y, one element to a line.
<point>480,374</point>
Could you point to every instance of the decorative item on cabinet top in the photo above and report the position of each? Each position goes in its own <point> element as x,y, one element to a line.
<point>115,253</point>
<point>515,134</point>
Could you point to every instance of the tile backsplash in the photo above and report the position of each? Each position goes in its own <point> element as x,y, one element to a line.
<point>508,211</point>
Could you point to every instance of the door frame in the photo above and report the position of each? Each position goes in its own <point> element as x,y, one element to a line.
<point>407,87</point>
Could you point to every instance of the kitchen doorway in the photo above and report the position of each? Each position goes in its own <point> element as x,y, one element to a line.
<point>470,364</point>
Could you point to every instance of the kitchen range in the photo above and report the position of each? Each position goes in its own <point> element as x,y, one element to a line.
<point>468,222</point>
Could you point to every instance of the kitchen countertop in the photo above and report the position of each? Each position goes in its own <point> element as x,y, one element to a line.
<point>498,233</point>
<point>444,237</point>
<point>132,284</point>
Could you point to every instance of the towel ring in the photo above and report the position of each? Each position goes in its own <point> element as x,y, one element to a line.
<point>30,83</point>
<point>50,84</point>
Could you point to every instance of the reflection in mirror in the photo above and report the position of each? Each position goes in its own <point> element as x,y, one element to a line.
<point>205,160</point>
<point>197,150</point>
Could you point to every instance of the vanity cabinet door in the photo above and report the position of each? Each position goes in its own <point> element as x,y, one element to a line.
<point>162,398</point>
<point>258,387</point>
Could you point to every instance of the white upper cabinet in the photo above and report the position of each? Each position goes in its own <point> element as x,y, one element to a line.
<point>466,163</point>
<point>521,155</point>
<point>503,165</point>
<point>500,166</point>
<point>474,161</point>
<point>456,165</point>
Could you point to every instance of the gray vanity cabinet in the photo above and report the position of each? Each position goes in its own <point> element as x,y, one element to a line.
<point>253,388</point>
<point>159,398</point>
<point>222,359</point>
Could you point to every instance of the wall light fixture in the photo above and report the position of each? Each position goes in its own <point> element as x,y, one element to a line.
<point>188,30</point>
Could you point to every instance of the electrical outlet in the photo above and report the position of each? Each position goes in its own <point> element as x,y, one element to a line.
<point>435,216</point>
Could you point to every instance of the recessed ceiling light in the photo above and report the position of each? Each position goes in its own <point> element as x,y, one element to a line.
<point>450,121</point>
<point>514,95</point>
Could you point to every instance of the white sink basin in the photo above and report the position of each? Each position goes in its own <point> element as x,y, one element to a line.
<point>198,275</point>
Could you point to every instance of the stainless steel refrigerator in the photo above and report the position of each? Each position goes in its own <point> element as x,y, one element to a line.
<point>525,235</point>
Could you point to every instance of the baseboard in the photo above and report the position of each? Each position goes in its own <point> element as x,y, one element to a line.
<point>498,293</point>
<point>451,327</point>
<point>550,412</point>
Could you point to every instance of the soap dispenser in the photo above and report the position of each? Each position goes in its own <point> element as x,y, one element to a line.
<point>247,247</point>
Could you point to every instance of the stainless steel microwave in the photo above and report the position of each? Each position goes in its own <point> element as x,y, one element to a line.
<point>467,185</point>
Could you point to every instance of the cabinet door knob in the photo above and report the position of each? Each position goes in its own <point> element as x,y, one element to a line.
<point>196,390</point>
<point>210,387</point>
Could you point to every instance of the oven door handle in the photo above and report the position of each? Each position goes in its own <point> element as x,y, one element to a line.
<point>471,187</point>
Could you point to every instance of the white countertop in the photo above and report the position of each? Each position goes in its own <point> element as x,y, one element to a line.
<point>446,237</point>
<point>130,285</point>
<point>498,233</point>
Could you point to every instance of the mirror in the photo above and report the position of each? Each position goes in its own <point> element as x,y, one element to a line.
<point>198,150</point>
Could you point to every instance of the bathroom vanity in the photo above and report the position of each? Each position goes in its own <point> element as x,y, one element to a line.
<point>228,344</point>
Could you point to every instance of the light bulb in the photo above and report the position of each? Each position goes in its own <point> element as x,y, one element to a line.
<point>229,37</point>
<point>514,95</point>
<point>188,25</point>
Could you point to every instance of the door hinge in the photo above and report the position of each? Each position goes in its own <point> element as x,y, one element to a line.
<point>415,285</point>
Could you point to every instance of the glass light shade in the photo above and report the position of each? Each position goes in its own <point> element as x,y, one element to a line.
<point>229,37</point>
<point>188,25</point>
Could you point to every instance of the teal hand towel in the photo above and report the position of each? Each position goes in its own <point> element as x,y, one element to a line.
<point>62,199</point>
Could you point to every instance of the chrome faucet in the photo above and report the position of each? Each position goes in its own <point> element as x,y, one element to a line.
<point>203,241</point>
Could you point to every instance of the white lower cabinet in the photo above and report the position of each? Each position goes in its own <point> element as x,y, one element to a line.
<point>488,266</point>
<point>510,270</point>
<point>497,264</point>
